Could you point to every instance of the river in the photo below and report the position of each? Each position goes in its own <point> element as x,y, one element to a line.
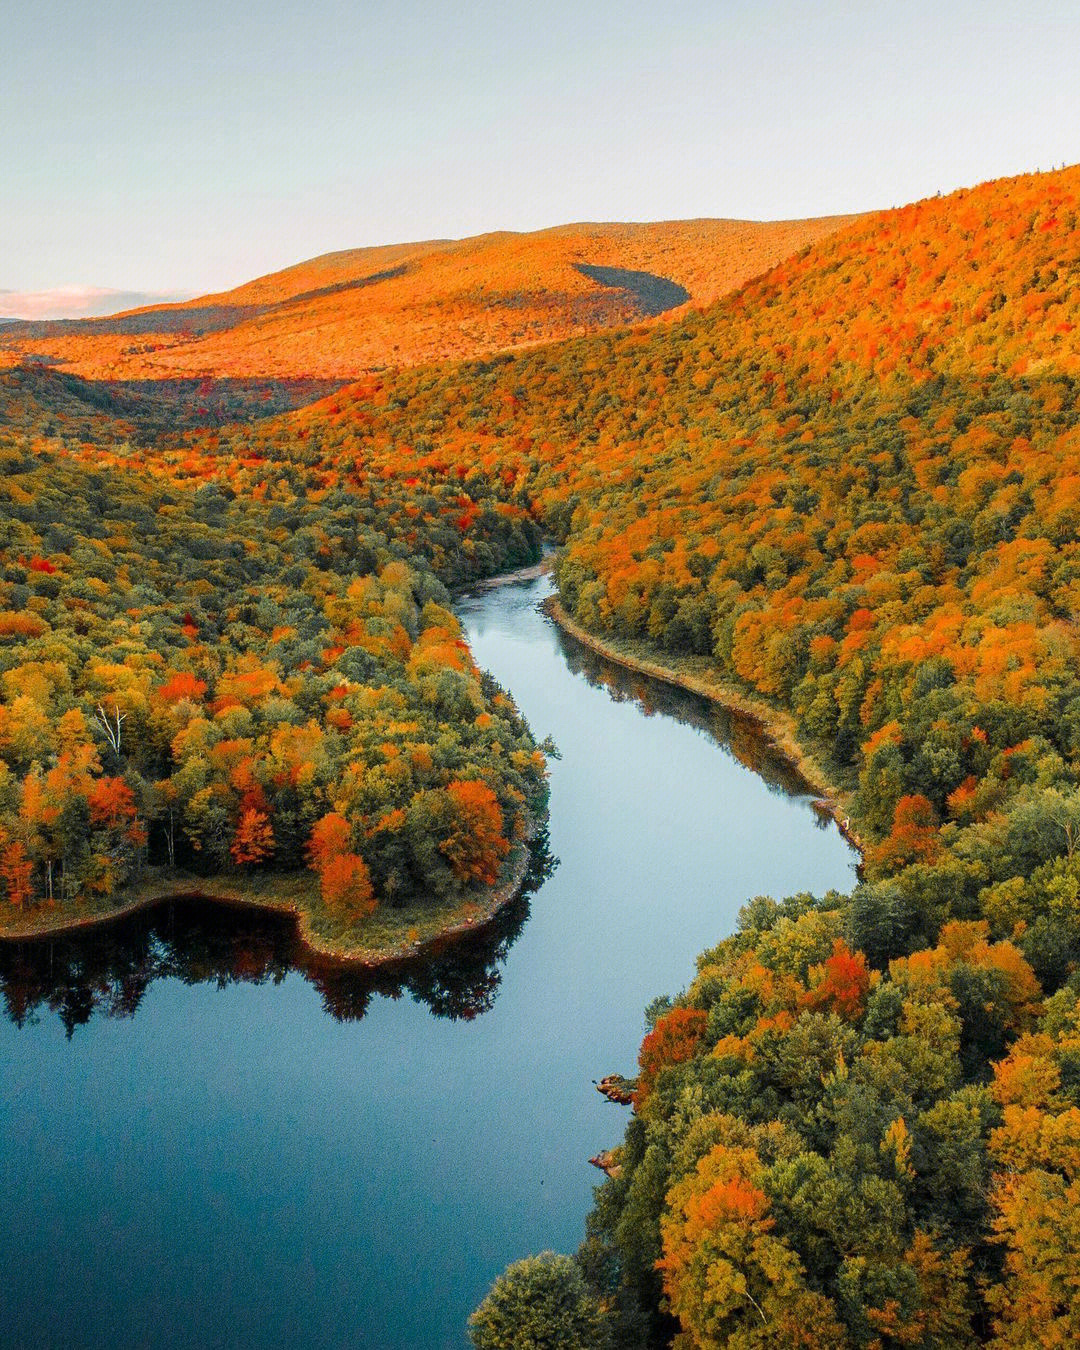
<point>210,1141</point>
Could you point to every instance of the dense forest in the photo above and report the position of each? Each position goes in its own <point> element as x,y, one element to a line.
<point>853,489</point>
<point>245,672</point>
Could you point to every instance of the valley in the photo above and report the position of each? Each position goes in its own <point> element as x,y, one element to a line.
<point>840,481</point>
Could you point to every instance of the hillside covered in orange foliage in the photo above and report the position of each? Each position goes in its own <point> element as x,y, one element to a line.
<point>345,314</point>
<point>853,488</point>
<point>849,487</point>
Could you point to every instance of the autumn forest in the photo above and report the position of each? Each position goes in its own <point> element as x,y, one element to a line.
<point>831,472</point>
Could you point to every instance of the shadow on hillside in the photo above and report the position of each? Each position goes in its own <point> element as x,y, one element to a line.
<point>194,321</point>
<point>652,294</point>
<point>201,401</point>
<point>359,283</point>
<point>151,407</point>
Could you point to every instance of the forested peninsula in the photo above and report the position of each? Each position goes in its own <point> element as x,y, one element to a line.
<point>853,487</point>
<point>251,687</point>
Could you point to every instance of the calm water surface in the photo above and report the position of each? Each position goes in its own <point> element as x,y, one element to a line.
<point>209,1141</point>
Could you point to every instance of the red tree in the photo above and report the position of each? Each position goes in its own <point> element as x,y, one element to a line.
<point>254,839</point>
<point>112,803</point>
<point>842,986</point>
<point>673,1040</point>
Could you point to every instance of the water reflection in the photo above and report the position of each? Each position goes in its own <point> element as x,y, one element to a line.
<point>739,734</point>
<point>107,970</point>
<point>228,1166</point>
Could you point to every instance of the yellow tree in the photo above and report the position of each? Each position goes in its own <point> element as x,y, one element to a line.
<point>728,1277</point>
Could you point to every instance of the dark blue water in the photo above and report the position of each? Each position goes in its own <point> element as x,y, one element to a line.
<point>208,1141</point>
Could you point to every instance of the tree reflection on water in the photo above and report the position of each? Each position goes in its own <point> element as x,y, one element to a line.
<point>108,969</point>
<point>736,733</point>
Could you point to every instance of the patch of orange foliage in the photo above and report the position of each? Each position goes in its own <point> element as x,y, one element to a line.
<point>346,314</point>
<point>840,985</point>
<point>673,1040</point>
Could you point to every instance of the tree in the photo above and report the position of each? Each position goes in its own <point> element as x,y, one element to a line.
<point>330,836</point>
<point>254,838</point>
<point>346,884</point>
<point>112,803</point>
<point>728,1276</point>
<point>182,685</point>
<point>16,872</point>
<point>343,875</point>
<point>673,1040</point>
<point>541,1303</point>
<point>1036,1191</point>
<point>913,838</point>
<point>474,844</point>
<point>112,725</point>
<point>840,985</point>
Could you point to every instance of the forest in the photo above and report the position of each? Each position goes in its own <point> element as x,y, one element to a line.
<point>853,489</point>
<point>226,677</point>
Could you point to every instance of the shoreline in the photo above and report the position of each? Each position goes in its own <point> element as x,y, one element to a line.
<point>482,908</point>
<point>469,914</point>
<point>530,572</point>
<point>775,726</point>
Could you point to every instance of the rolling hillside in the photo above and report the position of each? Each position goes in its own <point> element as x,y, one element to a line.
<point>346,314</point>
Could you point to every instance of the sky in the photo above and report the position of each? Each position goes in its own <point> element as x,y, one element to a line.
<point>167,151</point>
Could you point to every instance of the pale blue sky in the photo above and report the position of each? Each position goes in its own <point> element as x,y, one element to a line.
<point>192,147</point>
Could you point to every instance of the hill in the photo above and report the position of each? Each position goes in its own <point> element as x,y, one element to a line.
<point>346,314</point>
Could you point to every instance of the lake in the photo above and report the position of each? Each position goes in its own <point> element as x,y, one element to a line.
<point>211,1140</point>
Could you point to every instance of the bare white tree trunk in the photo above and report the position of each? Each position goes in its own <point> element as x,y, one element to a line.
<point>111,728</point>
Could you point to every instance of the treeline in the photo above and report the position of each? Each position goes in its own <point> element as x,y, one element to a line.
<point>217,681</point>
<point>854,488</point>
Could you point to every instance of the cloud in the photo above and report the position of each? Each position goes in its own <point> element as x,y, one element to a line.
<point>75,302</point>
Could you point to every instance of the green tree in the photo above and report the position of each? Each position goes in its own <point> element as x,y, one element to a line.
<point>541,1303</point>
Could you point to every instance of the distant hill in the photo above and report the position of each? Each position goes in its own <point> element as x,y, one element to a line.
<point>65,303</point>
<point>346,314</point>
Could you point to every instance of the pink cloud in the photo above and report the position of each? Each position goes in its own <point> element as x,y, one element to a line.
<point>75,302</point>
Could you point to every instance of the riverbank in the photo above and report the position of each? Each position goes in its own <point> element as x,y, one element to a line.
<point>530,572</point>
<point>388,936</point>
<point>694,675</point>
